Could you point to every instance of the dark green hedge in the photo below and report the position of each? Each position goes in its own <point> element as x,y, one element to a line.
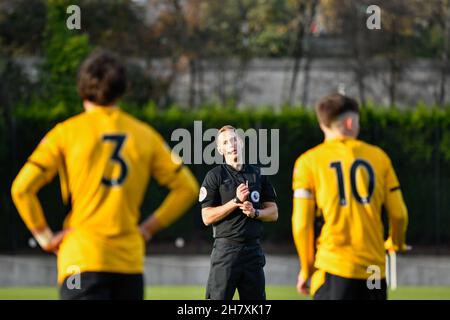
<point>418,142</point>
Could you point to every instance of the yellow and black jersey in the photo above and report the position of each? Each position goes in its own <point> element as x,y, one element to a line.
<point>105,159</point>
<point>346,181</point>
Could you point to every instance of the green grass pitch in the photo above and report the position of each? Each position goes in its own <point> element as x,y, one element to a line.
<point>197,293</point>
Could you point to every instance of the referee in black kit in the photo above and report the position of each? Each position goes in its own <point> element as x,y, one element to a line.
<point>236,199</point>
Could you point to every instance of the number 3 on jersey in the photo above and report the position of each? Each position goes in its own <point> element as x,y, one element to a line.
<point>116,157</point>
<point>340,178</point>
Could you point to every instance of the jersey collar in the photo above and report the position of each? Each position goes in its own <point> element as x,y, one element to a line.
<point>97,108</point>
<point>338,139</point>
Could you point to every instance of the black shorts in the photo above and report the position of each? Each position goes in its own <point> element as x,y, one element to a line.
<point>103,286</point>
<point>339,288</point>
<point>236,266</point>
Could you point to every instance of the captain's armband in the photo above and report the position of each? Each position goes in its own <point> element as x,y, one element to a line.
<point>303,194</point>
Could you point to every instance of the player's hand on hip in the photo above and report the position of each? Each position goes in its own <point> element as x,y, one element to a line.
<point>55,241</point>
<point>407,247</point>
<point>390,247</point>
<point>302,286</point>
<point>247,208</point>
<point>242,192</point>
<point>145,233</point>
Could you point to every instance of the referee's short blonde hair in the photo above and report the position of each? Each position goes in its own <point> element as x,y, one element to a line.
<point>225,128</point>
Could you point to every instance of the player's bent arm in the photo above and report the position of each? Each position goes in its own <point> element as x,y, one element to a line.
<point>24,191</point>
<point>212,215</point>
<point>183,193</point>
<point>269,213</point>
<point>398,220</point>
<point>303,234</point>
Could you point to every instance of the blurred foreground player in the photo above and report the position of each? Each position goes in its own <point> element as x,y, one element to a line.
<point>346,182</point>
<point>105,159</point>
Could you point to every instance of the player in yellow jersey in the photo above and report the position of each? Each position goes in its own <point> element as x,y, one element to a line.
<point>346,182</point>
<point>105,159</point>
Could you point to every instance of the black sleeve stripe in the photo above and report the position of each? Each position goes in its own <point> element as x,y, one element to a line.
<point>37,165</point>
<point>394,189</point>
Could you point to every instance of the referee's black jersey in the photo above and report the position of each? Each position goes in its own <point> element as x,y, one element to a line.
<point>219,187</point>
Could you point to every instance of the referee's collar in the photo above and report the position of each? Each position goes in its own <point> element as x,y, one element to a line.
<point>243,169</point>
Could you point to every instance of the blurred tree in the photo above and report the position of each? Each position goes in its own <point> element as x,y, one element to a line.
<point>445,53</point>
<point>21,27</point>
<point>282,29</point>
<point>22,24</point>
<point>64,50</point>
<point>165,38</point>
<point>172,41</point>
<point>271,23</point>
<point>435,38</point>
<point>225,37</point>
<point>396,43</point>
<point>21,33</point>
<point>194,31</point>
<point>306,12</point>
<point>432,37</point>
<point>348,19</point>
<point>120,26</point>
<point>117,25</point>
<point>397,24</point>
<point>260,28</point>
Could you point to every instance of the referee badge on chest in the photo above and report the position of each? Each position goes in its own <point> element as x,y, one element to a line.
<point>202,194</point>
<point>254,196</point>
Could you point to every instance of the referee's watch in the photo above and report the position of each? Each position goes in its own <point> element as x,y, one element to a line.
<point>256,215</point>
<point>236,200</point>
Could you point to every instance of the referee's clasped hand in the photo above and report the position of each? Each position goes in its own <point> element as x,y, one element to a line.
<point>242,192</point>
<point>247,209</point>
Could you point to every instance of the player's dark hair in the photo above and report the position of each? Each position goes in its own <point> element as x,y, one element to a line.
<point>101,78</point>
<point>329,108</point>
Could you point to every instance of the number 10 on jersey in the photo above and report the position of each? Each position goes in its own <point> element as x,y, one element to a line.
<point>353,169</point>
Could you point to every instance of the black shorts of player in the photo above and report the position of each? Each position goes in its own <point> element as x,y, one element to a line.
<point>103,286</point>
<point>238,266</point>
<point>339,288</point>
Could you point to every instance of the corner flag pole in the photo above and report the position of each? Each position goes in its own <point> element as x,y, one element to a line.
<point>391,269</point>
